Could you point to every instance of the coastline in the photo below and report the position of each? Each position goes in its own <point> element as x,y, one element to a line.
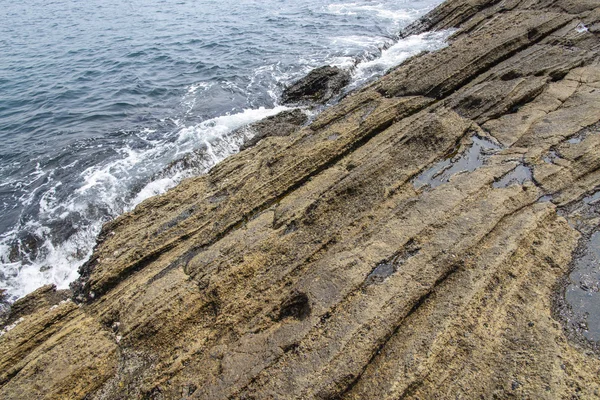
<point>53,229</point>
<point>312,265</point>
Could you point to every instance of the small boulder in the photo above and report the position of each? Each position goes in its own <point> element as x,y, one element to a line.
<point>319,86</point>
<point>4,307</point>
<point>282,124</point>
<point>44,297</point>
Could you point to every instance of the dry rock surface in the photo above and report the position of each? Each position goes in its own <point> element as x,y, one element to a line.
<point>415,241</point>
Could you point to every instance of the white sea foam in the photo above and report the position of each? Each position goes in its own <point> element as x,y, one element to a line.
<point>366,42</point>
<point>213,134</point>
<point>397,53</point>
<point>343,62</point>
<point>219,126</point>
<point>155,188</point>
<point>58,267</point>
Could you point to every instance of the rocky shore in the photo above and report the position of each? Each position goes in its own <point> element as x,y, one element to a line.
<point>413,242</point>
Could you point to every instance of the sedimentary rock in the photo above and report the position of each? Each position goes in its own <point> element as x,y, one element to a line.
<point>4,307</point>
<point>319,86</point>
<point>40,299</point>
<point>411,242</point>
<point>283,124</point>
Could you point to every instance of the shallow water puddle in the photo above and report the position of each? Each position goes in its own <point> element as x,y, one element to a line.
<point>517,176</point>
<point>550,157</point>
<point>380,273</point>
<point>387,268</point>
<point>580,136</point>
<point>468,161</point>
<point>583,292</point>
<point>584,214</point>
<point>592,199</point>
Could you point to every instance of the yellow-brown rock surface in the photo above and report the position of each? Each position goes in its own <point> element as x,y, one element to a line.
<point>352,259</point>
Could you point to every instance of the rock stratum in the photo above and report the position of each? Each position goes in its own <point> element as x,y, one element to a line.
<point>412,242</point>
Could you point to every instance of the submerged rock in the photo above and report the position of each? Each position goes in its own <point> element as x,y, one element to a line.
<point>315,265</point>
<point>319,86</point>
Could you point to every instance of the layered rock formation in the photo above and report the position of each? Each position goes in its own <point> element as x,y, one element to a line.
<point>411,242</point>
<point>320,85</point>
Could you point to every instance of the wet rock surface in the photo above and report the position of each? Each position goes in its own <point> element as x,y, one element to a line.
<point>42,298</point>
<point>200,160</point>
<point>315,264</point>
<point>582,294</point>
<point>4,308</point>
<point>282,124</point>
<point>579,301</point>
<point>319,86</point>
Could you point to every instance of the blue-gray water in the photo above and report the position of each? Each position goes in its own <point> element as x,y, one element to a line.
<point>98,96</point>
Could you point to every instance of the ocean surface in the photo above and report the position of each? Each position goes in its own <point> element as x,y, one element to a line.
<point>98,97</point>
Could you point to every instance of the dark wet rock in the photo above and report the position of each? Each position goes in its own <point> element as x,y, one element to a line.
<point>44,297</point>
<point>282,124</point>
<point>28,243</point>
<point>581,302</point>
<point>319,86</point>
<point>296,306</point>
<point>4,308</point>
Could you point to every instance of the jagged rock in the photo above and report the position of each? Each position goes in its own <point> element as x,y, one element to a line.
<point>44,297</point>
<point>319,86</point>
<point>312,265</point>
<point>282,124</point>
<point>4,308</point>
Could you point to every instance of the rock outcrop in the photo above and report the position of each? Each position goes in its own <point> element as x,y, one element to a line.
<point>283,124</point>
<point>4,308</point>
<point>319,86</point>
<point>412,242</point>
<point>39,300</point>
